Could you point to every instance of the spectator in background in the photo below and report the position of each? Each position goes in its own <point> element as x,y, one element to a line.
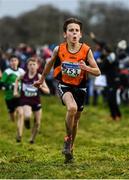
<point>123,61</point>
<point>109,67</point>
<point>99,83</point>
<point>21,52</point>
<point>4,63</point>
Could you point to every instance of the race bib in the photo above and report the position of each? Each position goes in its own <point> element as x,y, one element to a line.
<point>71,69</point>
<point>30,90</point>
<point>30,93</point>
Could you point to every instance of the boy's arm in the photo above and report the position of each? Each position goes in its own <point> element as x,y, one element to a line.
<point>3,79</point>
<point>16,84</point>
<point>0,74</point>
<point>43,87</point>
<point>15,91</point>
<point>93,67</point>
<point>47,68</point>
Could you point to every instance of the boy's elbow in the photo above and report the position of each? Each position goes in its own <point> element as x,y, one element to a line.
<point>99,73</point>
<point>48,92</point>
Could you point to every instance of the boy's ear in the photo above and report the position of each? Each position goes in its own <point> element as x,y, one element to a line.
<point>81,35</point>
<point>64,34</point>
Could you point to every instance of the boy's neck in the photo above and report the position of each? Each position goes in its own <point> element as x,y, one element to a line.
<point>31,74</point>
<point>14,68</point>
<point>73,48</point>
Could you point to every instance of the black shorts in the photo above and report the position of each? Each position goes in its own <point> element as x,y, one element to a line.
<point>12,104</point>
<point>35,107</point>
<point>79,94</point>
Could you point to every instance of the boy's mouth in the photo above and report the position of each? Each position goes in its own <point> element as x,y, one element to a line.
<point>74,38</point>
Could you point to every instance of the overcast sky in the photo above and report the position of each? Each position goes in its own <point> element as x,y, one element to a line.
<point>16,7</point>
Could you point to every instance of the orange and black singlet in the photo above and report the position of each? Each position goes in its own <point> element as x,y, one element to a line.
<point>66,66</point>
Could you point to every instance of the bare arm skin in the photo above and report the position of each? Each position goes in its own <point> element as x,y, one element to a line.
<point>15,91</point>
<point>92,68</point>
<point>43,87</point>
<point>47,67</point>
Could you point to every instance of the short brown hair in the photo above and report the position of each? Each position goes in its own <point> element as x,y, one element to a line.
<point>32,59</point>
<point>14,56</point>
<point>71,20</point>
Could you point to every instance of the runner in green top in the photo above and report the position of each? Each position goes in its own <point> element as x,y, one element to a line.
<point>13,104</point>
<point>8,79</point>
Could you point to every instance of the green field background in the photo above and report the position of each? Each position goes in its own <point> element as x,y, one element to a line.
<point>101,147</point>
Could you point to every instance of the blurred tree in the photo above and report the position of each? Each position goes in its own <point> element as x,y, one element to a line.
<point>107,21</point>
<point>41,26</point>
<point>44,24</point>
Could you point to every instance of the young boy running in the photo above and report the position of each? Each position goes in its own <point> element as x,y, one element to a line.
<point>13,104</point>
<point>30,95</point>
<point>70,61</point>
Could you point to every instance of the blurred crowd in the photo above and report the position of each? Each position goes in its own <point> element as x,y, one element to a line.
<point>113,83</point>
<point>114,65</point>
<point>24,52</point>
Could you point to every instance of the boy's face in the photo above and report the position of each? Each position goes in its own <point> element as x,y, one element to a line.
<point>14,63</point>
<point>32,66</point>
<point>73,33</point>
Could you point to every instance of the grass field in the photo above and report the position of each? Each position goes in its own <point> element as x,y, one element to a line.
<point>101,146</point>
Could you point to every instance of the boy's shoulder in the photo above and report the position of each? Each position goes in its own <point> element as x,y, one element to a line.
<point>86,45</point>
<point>8,71</point>
<point>21,69</point>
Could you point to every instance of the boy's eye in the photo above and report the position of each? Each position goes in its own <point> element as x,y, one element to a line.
<point>74,30</point>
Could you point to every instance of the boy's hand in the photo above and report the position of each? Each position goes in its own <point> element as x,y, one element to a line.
<point>92,35</point>
<point>37,83</point>
<point>83,66</point>
<point>15,94</point>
